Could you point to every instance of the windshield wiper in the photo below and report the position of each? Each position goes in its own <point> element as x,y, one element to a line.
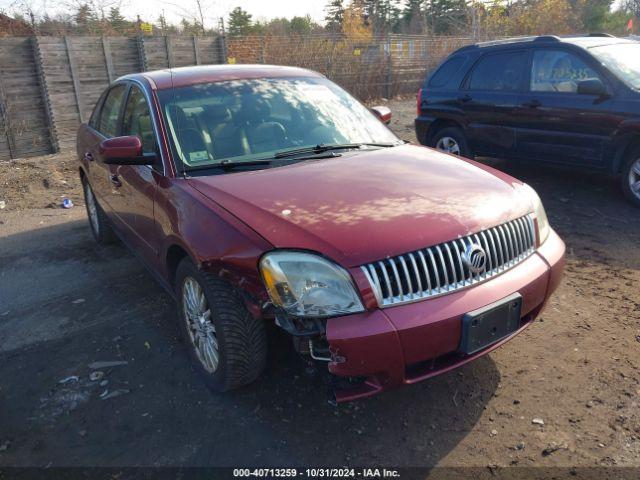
<point>321,147</point>
<point>228,165</point>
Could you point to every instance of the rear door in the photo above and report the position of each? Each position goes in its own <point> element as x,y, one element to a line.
<point>489,99</point>
<point>557,124</point>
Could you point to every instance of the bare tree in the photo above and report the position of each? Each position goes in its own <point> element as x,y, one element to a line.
<point>193,11</point>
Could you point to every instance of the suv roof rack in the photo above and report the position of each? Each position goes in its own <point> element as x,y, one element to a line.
<point>507,41</point>
<point>537,38</point>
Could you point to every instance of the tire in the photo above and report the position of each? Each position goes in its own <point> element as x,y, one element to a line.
<point>630,177</point>
<point>240,338</point>
<point>451,136</point>
<point>98,221</point>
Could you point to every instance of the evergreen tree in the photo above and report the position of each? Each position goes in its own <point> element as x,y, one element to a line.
<point>334,16</point>
<point>446,17</point>
<point>594,14</point>
<point>413,16</point>
<point>301,25</point>
<point>239,22</point>
<point>116,20</point>
<point>84,18</point>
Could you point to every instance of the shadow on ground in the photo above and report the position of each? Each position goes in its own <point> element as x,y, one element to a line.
<point>68,303</point>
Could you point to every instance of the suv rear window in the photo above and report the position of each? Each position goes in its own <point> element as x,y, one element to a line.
<point>446,71</point>
<point>499,72</point>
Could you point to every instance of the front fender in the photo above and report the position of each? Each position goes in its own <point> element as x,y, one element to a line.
<point>214,239</point>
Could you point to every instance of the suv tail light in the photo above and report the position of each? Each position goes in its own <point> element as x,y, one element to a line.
<point>418,102</point>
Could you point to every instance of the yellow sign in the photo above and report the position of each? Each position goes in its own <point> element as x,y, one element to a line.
<point>356,52</point>
<point>231,60</point>
<point>146,28</point>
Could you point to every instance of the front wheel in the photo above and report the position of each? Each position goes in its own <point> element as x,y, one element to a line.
<point>451,140</point>
<point>631,178</point>
<point>227,345</point>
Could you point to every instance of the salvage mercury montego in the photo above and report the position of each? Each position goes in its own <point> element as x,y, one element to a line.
<point>260,194</point>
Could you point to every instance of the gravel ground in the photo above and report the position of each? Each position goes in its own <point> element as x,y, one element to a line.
<point>65,303</point>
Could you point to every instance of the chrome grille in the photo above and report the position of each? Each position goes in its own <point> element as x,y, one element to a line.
<point>442,269</point>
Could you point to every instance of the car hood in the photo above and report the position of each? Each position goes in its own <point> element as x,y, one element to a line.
<point>369,205</point>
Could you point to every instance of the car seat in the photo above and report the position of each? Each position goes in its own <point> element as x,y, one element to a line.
<point>263,134</point>
<point>191,143</point>
<point>228,140</point>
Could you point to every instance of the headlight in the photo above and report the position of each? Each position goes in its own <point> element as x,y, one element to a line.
<point>304,284</point>
<point>541,215</point>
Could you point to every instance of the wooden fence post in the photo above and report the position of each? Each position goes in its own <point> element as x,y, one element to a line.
<point>196,49</point>
<point>74,79</point>
<point>169,48</point>
<point>5,115</point>
<point>44,91</point>
<point>108,59</point>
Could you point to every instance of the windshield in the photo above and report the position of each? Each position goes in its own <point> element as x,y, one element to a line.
<point>623,59</point>
<point>244,120</point>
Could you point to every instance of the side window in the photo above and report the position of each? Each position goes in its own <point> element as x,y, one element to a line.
<point>499,72</point>
<point>108,124</point>
<point>558,71</point>
<point>446,71</point>
<point>95,115</point>
<point>137,120</point>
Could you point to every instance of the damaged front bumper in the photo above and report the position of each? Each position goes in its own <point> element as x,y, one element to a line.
<point>387,348</point>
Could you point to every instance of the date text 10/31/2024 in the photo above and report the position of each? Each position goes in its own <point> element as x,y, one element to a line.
<point>316,472</point>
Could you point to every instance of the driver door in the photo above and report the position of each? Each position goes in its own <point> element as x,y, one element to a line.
<point>137,184</point>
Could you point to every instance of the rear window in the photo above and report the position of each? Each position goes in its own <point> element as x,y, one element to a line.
<point>499,72</point>
<point>446,71</point>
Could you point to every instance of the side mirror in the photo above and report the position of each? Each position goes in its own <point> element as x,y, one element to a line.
<point>592,86</point>
<point>383,114</point>
<point>124,151</point>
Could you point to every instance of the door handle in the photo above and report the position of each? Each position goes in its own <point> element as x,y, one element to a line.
<point>116,180</point>
<point>465,98</point>
<point>532,104</point>
<point>88,157</point>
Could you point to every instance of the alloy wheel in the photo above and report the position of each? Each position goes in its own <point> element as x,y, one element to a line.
<point>202,332</point>
<point>448,145</point>
<point>634,178</point>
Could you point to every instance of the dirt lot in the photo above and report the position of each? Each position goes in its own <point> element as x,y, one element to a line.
<point>65,303</point>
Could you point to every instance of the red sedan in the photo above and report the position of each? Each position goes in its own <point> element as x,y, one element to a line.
<point>261,194</point>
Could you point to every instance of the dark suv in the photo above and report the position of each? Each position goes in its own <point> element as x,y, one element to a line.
<point>573,101</point>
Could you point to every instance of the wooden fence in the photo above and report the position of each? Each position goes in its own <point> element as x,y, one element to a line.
<point>49,85</point>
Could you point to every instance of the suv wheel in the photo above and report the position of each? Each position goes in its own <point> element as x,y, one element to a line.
<point>451,140</point>
<point>227,345</point>
<point>100,227</point>
<point>631,177</point>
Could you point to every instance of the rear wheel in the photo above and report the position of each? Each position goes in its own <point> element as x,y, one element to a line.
<point>630,177</point>
<point>227,345</point>
<point>100,227</point>
<point>451,140</point>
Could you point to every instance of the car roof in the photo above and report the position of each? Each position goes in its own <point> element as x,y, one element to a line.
<point>185,76</point>
<point>583,41</point>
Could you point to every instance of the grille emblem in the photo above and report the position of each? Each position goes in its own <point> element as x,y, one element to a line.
<point>475,258</point>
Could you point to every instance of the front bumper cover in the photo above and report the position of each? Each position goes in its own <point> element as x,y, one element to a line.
<point>409,343</point>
